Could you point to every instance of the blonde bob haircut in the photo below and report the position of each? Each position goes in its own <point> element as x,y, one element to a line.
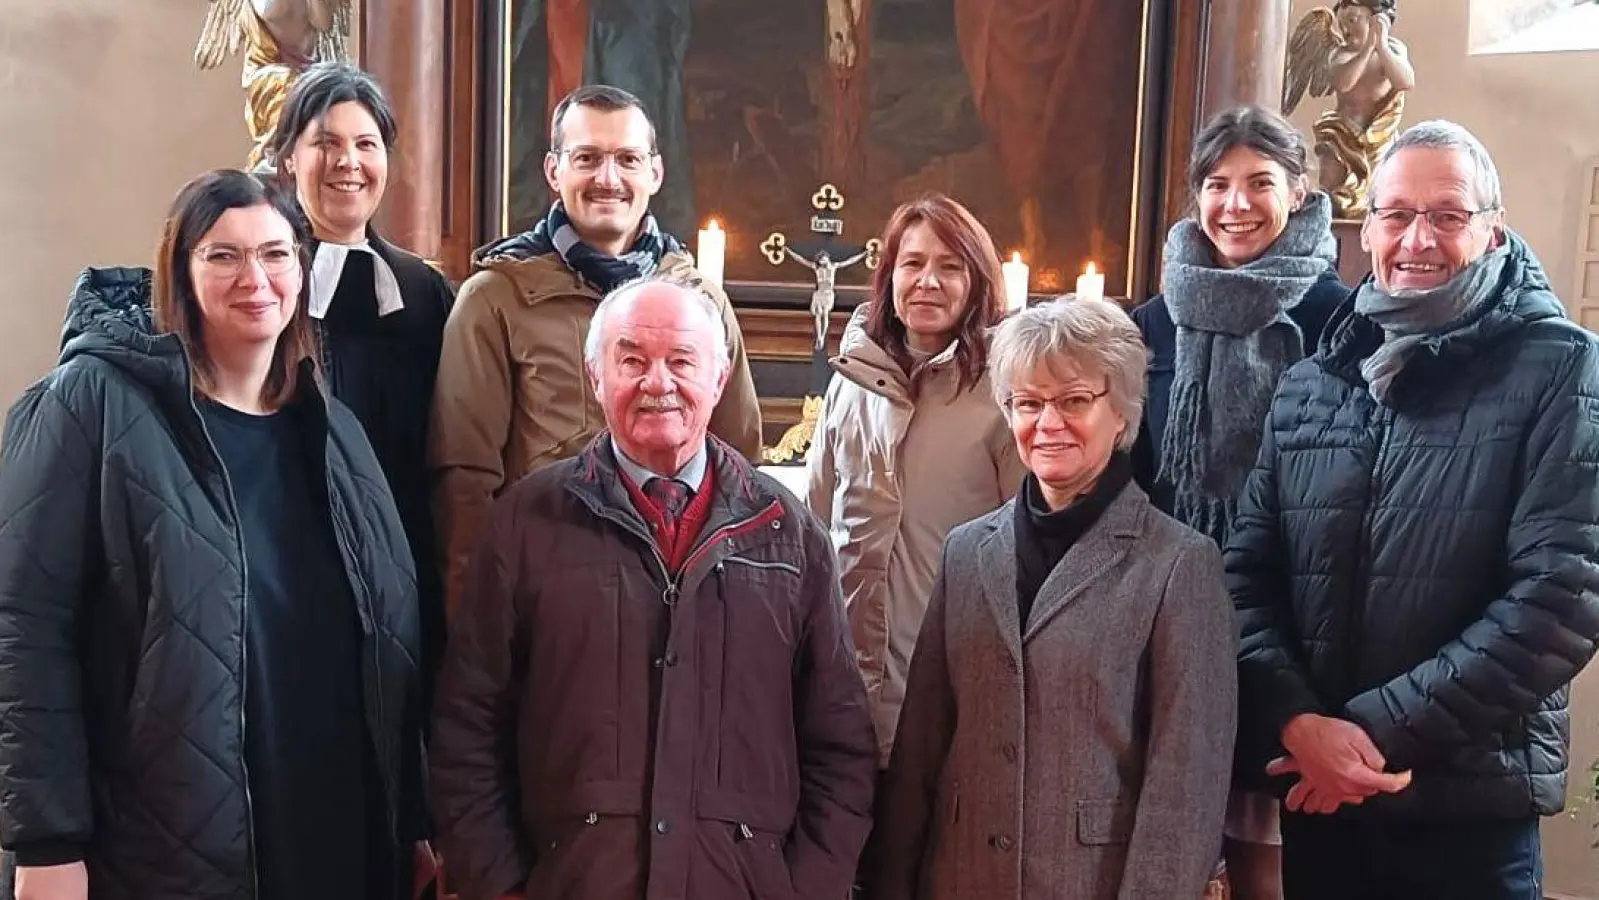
<point>1094,337</point>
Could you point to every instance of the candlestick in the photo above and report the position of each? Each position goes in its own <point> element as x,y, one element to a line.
<point>1015,273</point>
<point>1091,284</point>
<point>712,252</point>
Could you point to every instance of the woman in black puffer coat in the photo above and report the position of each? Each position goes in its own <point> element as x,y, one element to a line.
<point>208,624</point>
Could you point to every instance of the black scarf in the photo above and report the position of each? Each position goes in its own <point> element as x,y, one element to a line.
<point>1043,535</point>
<point>554,233</point>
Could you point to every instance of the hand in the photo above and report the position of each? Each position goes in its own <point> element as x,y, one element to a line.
<point>1384,26</point>
<point>427,869</point>
<point>1338,760</point>
<point>64,882</point>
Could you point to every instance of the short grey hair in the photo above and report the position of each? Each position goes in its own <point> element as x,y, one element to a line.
<point>689,288</point>
<point>1440,134</point>
<point>1095,336</point>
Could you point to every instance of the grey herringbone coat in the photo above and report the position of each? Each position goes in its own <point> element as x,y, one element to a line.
<point>1085,756</point>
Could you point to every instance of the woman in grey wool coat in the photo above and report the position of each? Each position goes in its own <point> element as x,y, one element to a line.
<point>1068,724</point>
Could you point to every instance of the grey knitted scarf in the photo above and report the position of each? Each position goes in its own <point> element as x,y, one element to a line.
<point>1410,318</point>
<point>1234,341</point>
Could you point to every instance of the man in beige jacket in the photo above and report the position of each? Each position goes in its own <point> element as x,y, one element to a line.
<point>512,395</point>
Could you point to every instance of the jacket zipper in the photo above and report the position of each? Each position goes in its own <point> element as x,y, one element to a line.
<point>669,594</point>
<point>369,611</point>
<point>244,643</point>
<point>1363,566</point>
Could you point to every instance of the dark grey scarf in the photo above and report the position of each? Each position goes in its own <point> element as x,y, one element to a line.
<point>1409,318</point>
<point>1234,341</point>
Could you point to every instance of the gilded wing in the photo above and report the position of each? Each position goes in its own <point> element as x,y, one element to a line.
<point>223,32</point>
<point>330,44</point>
<point>1309,57</point>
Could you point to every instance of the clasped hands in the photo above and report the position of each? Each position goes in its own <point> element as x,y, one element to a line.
<point>1336,762</point>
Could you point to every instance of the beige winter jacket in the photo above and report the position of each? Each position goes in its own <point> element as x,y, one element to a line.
<point>513,396</point>
<point>890,476</point>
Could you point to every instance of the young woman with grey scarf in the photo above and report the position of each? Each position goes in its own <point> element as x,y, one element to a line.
<point>1250,280</point>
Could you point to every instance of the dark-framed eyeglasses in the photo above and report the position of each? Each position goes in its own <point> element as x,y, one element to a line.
<point>1072,405</point>
<point>1443,221</point>
<point>589,160</point>
<point>275,258</point>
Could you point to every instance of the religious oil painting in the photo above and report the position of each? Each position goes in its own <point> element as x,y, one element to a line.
<point>1027,111</point>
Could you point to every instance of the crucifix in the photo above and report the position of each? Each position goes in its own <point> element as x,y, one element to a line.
<point>824,258</point>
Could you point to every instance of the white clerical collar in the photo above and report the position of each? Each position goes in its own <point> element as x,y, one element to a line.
<point>328,267</point>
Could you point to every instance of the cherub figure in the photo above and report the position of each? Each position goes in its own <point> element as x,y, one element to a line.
<point>281,38</point>
<point>823,297</point>
<point>1348,51</point>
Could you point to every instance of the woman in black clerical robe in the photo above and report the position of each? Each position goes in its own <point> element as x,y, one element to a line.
<point>379,310</point>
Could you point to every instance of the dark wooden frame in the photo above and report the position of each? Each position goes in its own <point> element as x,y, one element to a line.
<point>463,43</point>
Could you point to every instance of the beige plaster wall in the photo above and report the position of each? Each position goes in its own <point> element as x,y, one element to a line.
<point>1538,114</point>
<point>103,116</point>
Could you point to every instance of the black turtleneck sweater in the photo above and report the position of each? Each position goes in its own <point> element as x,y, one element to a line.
<point>1043,537</point>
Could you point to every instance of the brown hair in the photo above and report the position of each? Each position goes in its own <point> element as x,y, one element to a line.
<point>953,224</point>
<point>176,307</point>
<point>602,97</point>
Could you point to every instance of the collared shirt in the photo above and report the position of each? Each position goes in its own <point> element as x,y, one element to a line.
<point>328,267</point>
<point>692,474</point>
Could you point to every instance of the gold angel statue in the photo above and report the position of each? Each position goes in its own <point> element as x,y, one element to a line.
<point>1348,51</point>
<point>280,38</point>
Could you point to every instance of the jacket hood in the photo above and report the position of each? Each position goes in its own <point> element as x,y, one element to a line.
<point>109,318</point>
<point>866,363</point>
<point>1523,296</point>
<point>514,248</point>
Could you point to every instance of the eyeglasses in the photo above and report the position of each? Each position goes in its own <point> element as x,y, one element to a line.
<point>589,160</point>
<point>227,260</point>
<point>1443,221</point>
<point>1074,405</point>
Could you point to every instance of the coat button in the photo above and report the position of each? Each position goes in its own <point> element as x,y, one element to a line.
<point>1000,842</point>
<point>1009,752</point>
<point>670,659</point>
<point>662,826</point>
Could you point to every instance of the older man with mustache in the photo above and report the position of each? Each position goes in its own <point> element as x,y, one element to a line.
<point>512,395</point>
<point>649,690</point>
<point>1414,556</point>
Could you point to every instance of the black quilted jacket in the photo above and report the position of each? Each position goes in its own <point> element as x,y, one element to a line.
<point>121,609</point>
<point>1430,570</point>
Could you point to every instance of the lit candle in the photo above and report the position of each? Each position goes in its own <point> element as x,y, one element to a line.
<point>1091,285</point>
<point>712,252</point>
<point>1015,273</point>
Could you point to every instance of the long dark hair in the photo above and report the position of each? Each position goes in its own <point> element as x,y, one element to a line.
<point>985,302</point>
<point>1257,128</point>
<point>175,305</point>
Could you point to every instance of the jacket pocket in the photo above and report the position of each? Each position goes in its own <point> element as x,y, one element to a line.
<point>760,855</point>
<point>767,565</point>
<point>1101,822</point>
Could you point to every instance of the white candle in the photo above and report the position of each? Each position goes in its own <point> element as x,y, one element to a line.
<point>1091,285</point>
<point>712,252</point>
<point>1015,273</point>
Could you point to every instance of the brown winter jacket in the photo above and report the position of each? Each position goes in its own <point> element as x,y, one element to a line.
<point>604,732</point>
<point>513,396</point>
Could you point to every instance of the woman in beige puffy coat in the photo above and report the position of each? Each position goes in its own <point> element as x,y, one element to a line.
<point>910,442</point>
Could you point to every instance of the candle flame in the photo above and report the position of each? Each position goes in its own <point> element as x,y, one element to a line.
<point>1090,269</point>
<point>712,226</point>
<point>1015,257</point>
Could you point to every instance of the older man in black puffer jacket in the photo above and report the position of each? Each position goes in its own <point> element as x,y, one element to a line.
<point>1415,560</point>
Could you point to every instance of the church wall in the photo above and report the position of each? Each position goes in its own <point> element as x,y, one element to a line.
<point>103,116</point>
<point>1538,114</point>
